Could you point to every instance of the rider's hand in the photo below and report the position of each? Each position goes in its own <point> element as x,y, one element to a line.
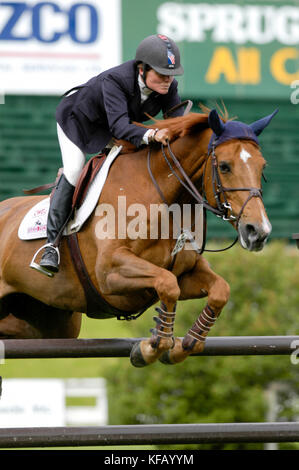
<point>161,135</point>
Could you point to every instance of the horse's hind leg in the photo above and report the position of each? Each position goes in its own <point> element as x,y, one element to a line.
<point>12,327</point>
<point>199,282</point>
<point>23,317</point>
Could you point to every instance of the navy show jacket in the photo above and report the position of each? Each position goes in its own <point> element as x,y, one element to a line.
<point>105,106</point>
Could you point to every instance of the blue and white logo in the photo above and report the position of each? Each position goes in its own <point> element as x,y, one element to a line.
<point>25,21</point>
<point>48,47</point>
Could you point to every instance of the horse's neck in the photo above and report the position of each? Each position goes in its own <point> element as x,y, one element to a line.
<point>132,168</point>
<point>191,152</point>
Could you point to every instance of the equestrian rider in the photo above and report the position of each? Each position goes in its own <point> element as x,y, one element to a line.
<point>104,107</point>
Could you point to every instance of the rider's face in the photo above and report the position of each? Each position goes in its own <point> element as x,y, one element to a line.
<point>157,82</point>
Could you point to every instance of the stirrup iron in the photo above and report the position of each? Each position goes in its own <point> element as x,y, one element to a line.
<point>39,268</point>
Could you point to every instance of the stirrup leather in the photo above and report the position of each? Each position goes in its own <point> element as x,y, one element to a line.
<point>39,268</point>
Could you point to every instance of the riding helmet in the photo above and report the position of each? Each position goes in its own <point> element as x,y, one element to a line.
<point>161,53</point>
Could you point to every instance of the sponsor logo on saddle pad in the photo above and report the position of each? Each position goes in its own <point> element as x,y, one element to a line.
<point>34,224</point>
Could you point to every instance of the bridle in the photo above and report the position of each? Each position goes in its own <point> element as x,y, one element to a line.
<point>220,193</point>
<point>223,209</point>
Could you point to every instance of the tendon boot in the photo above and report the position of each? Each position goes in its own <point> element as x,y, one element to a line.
<point>59,211</point>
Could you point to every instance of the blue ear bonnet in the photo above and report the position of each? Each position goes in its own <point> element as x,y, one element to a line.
<point>223,132</point>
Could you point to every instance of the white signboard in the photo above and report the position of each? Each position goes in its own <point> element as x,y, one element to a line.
<point>53,402</point>
<point>49,47</point>
<point>35,402</point>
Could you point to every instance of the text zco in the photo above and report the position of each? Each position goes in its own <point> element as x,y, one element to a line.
<point>33,21</point>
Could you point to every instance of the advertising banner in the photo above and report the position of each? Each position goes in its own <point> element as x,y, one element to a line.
<point>245,48</point>
<point>49,47</point>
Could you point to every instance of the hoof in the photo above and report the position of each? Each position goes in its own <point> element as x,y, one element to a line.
<point>175,355</point>
<point>165,359</point>
<point>136,357</point>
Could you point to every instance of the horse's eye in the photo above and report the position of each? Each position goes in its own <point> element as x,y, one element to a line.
<point>224,167</point>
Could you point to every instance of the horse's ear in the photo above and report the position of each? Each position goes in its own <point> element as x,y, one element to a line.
<point>215,122</point>
<point>259,126</point>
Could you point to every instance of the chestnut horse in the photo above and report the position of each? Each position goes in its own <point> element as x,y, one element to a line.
<point>216,161</point>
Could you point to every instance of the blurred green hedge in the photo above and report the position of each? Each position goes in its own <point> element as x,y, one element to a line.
<point>264,301</point>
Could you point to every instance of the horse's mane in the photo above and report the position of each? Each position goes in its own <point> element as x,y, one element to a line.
<point>184,125</point>
<point>179,126</point>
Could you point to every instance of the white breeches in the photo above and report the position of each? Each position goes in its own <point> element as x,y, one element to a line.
<point>73,158</point>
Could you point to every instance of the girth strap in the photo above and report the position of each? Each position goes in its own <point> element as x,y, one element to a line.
<point>97,307</point>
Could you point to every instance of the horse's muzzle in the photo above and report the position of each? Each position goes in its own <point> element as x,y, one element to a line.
<point>253,237</point>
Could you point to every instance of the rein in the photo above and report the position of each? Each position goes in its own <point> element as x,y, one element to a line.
<point>218,189</point>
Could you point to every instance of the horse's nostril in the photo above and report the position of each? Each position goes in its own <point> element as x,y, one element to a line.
<point>253,234</point>
<point>250,230</point>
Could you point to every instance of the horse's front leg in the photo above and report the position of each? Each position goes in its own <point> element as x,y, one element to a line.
<point>130,273</point>
<point>197,283</point>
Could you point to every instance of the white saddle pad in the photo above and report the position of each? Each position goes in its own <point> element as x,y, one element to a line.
<point>34,224</point>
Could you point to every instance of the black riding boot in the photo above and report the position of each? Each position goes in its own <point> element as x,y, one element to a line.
<point>60,208</point>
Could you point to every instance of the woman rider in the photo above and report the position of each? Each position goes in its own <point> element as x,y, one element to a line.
<point>105,107</point>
